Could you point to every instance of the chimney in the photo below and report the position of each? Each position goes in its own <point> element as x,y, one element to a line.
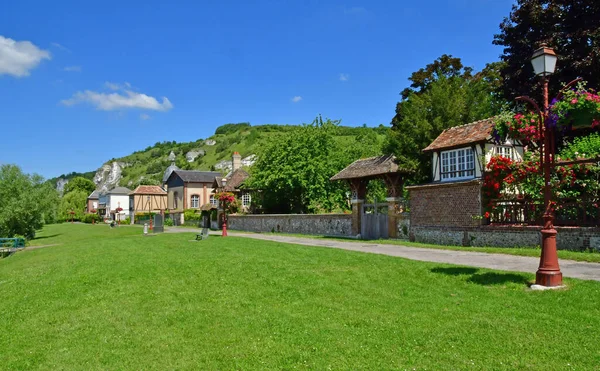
<point>236,161</point>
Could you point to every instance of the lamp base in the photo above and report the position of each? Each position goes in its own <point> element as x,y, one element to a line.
<point>548,278</point>
<point>545,288</point>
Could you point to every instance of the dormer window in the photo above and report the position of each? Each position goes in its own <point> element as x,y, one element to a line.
<point>458,164</point>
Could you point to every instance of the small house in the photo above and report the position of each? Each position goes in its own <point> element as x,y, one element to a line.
<point>459,157</point>
<point>92,202</point>
<point>147,199</point>
<point>110,201</point>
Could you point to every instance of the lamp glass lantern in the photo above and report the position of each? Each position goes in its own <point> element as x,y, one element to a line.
<point>544,61</point>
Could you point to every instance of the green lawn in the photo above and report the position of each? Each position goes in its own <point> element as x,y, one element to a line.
<point>113,299</point>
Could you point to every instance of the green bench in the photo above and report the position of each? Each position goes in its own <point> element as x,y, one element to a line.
<point>203,235</point>
<point>17,242</point>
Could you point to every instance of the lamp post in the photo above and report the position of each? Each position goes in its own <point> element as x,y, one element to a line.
<point>224,234</point>
<point>548,273</point>
<point>149,211</point>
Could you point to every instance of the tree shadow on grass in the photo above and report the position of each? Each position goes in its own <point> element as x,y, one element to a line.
<point>484,279</point>
<point>493,278</point>
<point>48,236</point>
<point>454,271</point>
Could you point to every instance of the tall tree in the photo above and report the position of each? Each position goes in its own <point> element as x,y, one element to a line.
<point>454,96</point>
<point>26,202</point>
<point>572,27</point>
<point>294,170</point>
<point>73,201</point>
<point>79,184</point>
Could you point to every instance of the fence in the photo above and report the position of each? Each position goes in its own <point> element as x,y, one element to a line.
<point>567,212</point>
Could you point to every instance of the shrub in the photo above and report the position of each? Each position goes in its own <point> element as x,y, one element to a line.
<point>168,222</point>
<point>191,214</point>
<point>90,218</point>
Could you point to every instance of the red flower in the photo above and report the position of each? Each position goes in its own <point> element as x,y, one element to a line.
<point>487,214</point>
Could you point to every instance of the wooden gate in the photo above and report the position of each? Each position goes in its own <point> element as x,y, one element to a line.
<point>374,223</point>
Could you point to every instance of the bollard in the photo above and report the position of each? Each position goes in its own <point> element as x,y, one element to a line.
<point>145,228</point>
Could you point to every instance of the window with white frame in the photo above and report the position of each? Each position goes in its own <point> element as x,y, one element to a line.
<point>195,201</point>
<point>504,151</point>
<point>214,201</point>
<point>458,164</point>
<point>246,199</point>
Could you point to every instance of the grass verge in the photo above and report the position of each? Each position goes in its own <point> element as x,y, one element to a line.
<point>113,299</point>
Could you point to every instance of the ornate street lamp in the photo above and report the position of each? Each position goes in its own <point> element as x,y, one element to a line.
<point>544,61</point>
<point>548,273</point>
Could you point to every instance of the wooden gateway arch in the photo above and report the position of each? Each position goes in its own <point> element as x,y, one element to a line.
<point>374,221</point>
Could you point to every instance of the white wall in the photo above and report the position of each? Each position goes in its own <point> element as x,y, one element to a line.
<point>487,152</point>
<point>115,200</point>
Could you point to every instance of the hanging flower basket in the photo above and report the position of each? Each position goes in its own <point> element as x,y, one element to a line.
<point>520,126</point>
<point>577,108</point>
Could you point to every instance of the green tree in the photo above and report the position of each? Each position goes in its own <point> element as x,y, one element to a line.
<point>73,201</point>
<point>425,116</point>
<point>294,170</point>
<point>450,97</point>
<point>79,184</point>
<point>26,202</point>
<point>572,27</point>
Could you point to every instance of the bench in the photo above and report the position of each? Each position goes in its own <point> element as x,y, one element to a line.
<point>203,235</point>
<point>17,242</point>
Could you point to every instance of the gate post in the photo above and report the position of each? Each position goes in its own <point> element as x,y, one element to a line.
<point>394,203</point>
<point>357,216</point>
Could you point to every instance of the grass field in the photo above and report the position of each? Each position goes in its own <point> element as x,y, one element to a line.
<point>112,299</point>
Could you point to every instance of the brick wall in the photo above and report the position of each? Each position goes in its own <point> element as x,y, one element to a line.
<point>446,204</point>
<point>320,224</point>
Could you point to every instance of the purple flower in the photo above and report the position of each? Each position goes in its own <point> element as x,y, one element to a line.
<point>552,120</point>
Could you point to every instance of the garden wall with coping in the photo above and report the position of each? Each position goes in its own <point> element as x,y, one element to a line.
<point>568,238</point>
<point>319,224</point>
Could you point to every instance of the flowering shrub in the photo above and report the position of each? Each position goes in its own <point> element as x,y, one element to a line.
<point>520,126</point>
<point>226,197</point>
<point>578,107</point>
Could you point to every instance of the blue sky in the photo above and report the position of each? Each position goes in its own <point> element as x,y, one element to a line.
<point>83,82</point>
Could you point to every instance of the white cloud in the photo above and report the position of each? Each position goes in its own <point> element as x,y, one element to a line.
<point>18,58</point>
<point>123,99</point>
<point>144,116</point>
<point>296,99</point>
<point>117,86</point>
<point>72,69</point>
<point>64,48</point>
<point>344,77</point>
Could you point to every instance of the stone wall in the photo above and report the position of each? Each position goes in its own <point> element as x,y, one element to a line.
<point>321,224</point>
<point>403,226</point>
<point>455,204</point>
<point>577,239</point>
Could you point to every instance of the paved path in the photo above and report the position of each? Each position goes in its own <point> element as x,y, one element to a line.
<point>569,268</point>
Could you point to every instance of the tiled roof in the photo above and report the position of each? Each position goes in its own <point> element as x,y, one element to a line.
<point>148,190</point>
<point>475,132</point>
<point>370,168</point>
<point>119,191</point>
<point>94,195</point>
<point>236,179</point>
<point>197,176</point>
